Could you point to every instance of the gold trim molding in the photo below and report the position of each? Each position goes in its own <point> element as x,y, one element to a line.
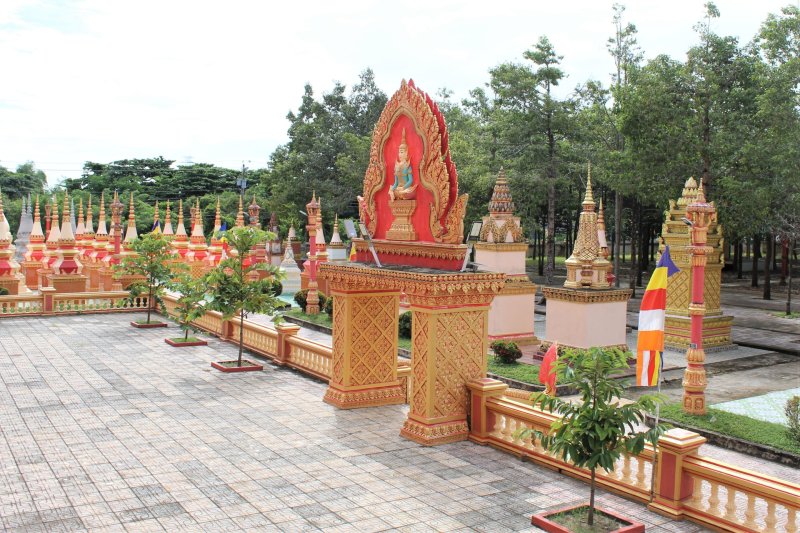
<point>587,296</point>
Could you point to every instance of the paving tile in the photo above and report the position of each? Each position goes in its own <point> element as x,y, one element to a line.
<point>136,438</point>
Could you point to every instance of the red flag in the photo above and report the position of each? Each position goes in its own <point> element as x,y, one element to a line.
<point>547,372</point>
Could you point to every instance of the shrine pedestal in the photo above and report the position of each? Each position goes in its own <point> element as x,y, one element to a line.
<point>68,282</point>
<point>12,284</point>
<point>716,332</point>
<point>512,313</point>
<point>450,339</point>
<point>402,229</point>
<point>586,318</point>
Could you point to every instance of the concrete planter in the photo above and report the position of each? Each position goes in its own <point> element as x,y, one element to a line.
<point>230,366</point>
<point>542,521</point>
<point>182,344</point>
<point>149,326</point>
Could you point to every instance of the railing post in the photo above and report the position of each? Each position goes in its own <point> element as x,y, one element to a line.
<point>284,332</point>
<point>481,420</point>
<point>226,329</point>
<point>47,300</point>
<point>673,485</point>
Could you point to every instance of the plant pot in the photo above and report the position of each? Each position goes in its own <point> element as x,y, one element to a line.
<point>230,366</point>
<point>546,520</point>
<point>181,344</point>
<point>150,325</point>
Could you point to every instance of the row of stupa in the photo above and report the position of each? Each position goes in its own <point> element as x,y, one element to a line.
<point>82,259</point>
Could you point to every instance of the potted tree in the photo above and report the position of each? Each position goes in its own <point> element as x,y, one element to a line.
<point>190,306</point>
<point>233,291</point>
<point>593,432</point>
<point>153,262</point>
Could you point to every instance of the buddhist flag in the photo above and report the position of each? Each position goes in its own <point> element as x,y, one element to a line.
<point>352,256</point>
<point>156,227</point>
<point>650,345</point>
<point>547,372</point>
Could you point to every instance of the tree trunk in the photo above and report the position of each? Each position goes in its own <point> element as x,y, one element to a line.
<point>617,233</point>
<point>241,335</point>
<point>768,266</point>
<point>737,258</point>
<point>591,498</point>
<point>541,249</point>
<point>186,334</point>
<point>550,238</point>
<point>784,261</point>
<point>149,301</point>
<point>634,263</point>
<point>754,256</point>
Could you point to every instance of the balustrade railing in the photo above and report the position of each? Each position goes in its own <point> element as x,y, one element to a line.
<point>687,485</point>
<point>21,305</point>
<point>310,357</point>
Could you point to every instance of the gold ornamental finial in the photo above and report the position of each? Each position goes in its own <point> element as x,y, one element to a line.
<point>167,214</point>
<point>701,194</point>
<point>131,214</point>
<point>155,213</point>
<point>240,214</point>
<point>588,200</point>
<point>102,216</point>
<point>65,211</point>
<point>36,215</point>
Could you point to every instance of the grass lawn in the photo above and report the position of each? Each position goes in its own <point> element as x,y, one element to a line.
<point>518,371</point>
<point>733,425</point>
<point>782,314</point>
<point>320,319</point>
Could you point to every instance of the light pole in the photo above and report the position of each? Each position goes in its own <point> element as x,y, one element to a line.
<point>700,215</point>
<point>241,181</point>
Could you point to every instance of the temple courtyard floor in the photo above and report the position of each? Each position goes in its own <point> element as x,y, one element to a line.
<point>106,427</point>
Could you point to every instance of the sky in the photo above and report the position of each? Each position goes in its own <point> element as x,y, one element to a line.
<point>210,81</point>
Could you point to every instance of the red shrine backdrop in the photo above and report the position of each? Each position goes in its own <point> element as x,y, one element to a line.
<point>424,198</point>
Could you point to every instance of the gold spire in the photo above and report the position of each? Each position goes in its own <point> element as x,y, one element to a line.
<point>240,214</point>
<point>217,223</point>
<point>701,195</point>
<point>66,225</point>
<point>167,214</point>
<point>155,213</point>
<point>588,200</point>
<point>131,235</point>
<point>89,226</point>
<point>501,202</point>
<point>101,218</point>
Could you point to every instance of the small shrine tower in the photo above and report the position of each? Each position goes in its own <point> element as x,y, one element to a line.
<point>35,253</point>
<point>675,233</point>
<point>24,229</point>
<point>67,273</point>
<point>501,248</point>
<point>586,312</point>
<point>10,277</point>
<point>180,243</point>
<point>337,251</point>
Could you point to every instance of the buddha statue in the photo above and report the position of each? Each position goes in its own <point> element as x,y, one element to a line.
<point>404,185</point>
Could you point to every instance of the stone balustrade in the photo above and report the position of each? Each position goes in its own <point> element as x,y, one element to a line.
<point>687,485</point>
<point>49,302</point>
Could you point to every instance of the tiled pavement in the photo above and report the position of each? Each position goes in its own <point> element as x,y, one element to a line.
<point>107,428</point>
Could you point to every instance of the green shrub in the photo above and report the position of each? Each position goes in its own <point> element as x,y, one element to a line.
<point>404,325</point>
<point>276,288</point>
<point>506,352</point>
<point>328,307</point>
<point>3,291</point>
<point>792,411</point>
<point>300,299</point>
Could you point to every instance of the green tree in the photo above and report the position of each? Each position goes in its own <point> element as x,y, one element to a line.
<point>231,286</point>
<point>190,303</point>
<point>153,261</point>
<point>595,431</point>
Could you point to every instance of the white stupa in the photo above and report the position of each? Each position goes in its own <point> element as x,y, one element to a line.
<point>291,273</point>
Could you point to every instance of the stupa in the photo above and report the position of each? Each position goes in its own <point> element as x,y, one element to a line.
<point>586,312</point>
<point>501,247</point>
<point>51,247</point>
<point>337,251</point>
<point>88,232</point>
<point>197,255</point>
<point>291,273</point>
<point>675,233</point>
<point>10,277</point>
<point>24,230</point>
<point>67,273</point>
<point>168,232</point>
<point>180,244</point>
<point>99,250</point>
<point>275,249</point>
<point>35,253</point>
<point>215,247</point>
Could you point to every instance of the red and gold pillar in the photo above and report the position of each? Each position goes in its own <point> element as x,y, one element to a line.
<point>700,214</point>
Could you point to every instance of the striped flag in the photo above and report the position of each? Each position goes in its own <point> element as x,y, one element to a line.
<point>156,227</point>
<point>352,256</point>
<point>650,344</point>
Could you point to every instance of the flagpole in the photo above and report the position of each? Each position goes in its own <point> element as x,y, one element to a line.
<point>655,446</point>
